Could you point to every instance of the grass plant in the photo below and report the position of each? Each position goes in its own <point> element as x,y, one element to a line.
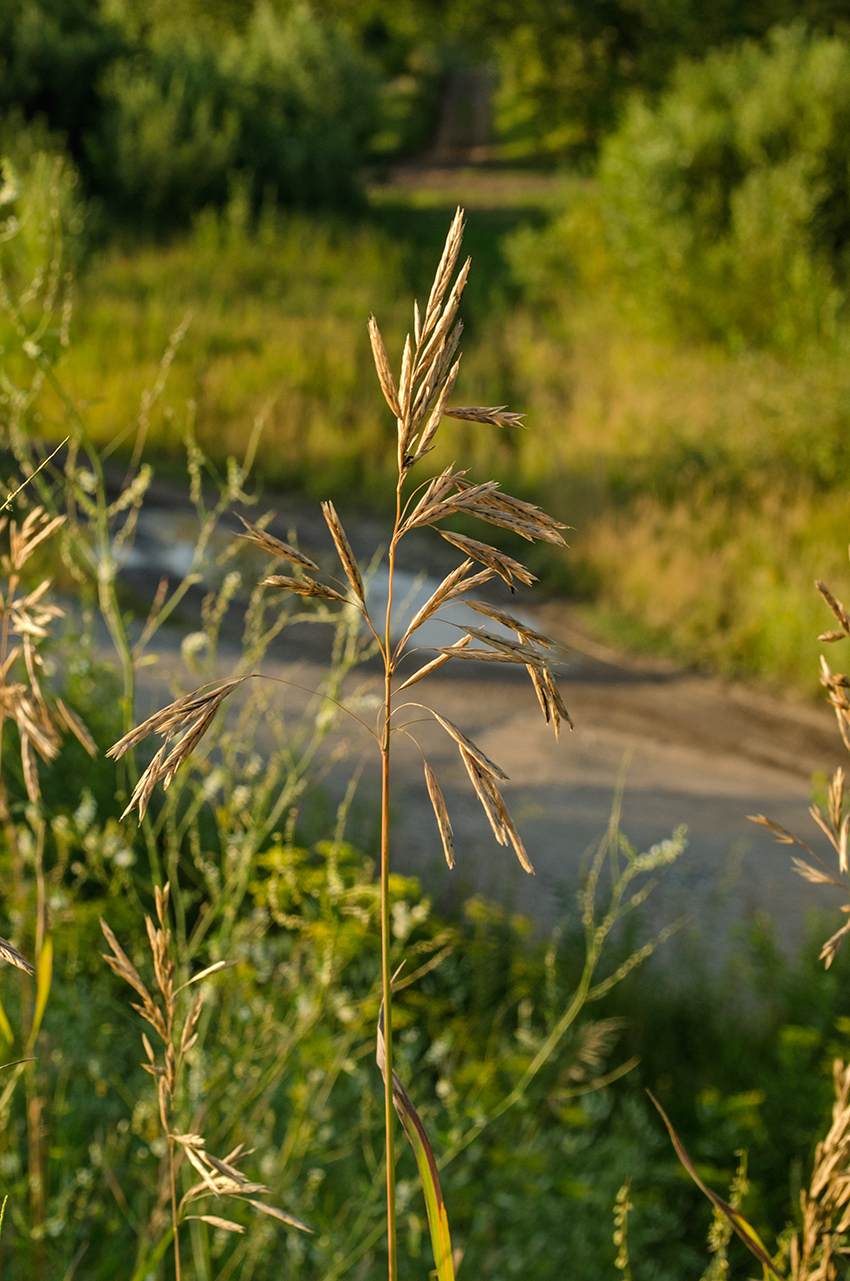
<point>215,868</point>
<point>814,1243</point>
<point>418,401</point>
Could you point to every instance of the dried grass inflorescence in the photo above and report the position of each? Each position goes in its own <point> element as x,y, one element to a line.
<point>41,718</point>
<point>25,621</point>
<point>187,718</point>
<point>418,398</point>
<point>817,1252</point>
<point>176,1028</point>
<point>835,822</point>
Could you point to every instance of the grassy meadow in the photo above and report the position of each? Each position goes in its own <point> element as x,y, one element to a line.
<point>704,487</point>
<point>528,1058</point>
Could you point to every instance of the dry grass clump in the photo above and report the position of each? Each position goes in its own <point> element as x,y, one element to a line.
<point>816,1246</point>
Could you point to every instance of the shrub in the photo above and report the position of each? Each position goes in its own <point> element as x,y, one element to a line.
<point>727,204</point>
<point>287,103</point>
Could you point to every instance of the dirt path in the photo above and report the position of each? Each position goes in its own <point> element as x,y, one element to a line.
<point>701,752</point>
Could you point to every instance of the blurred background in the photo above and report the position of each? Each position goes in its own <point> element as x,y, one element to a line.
<point>202,201</point>
<point>659,218</point>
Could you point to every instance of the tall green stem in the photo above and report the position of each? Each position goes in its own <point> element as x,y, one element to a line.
<point>386,985</point>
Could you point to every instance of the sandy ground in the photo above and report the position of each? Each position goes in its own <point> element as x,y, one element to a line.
<point>698,751</point>
<point>695,752</point>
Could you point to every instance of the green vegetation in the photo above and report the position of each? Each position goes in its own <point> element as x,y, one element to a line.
<point>727,204</point>
<point>695,439</point>
<point>170,115</point>
<point>705,485</point>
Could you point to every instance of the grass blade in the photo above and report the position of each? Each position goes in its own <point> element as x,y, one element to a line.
<point>5,1025</point>
<point>748,1234</point>
<point>435,1206</point>
<point>44,973</point>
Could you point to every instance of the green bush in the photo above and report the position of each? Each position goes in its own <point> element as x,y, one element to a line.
<point>287,104</point>
<point>160,110</point>
<point>52,56</point>
<point>728,203</point>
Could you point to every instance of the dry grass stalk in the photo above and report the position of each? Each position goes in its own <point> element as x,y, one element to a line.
<point>835,823</point>
<point>40,718</point>
<point>817,1251</point>
<point>419,400</point>
<point>219,1178</point>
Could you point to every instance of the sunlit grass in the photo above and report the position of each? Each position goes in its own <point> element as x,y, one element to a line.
<point>706,488</point>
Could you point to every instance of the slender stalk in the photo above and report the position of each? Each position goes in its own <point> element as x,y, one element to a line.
<point>174,1223</point>
<point>386,977</point>
<point>386,985</point>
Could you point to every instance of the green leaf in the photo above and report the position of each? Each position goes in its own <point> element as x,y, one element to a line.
<point>438,1219</point>
<point>745,1231</point>
<point>44,977</point>
<point>5,1025</point>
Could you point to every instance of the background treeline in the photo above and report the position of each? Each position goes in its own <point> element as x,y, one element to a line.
<point>160,105</point>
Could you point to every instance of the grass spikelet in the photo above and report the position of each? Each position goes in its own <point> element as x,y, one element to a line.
<point>835,605</point>
<point>451,652</point>
<point>12,956</point>
<point>303,587</point>
<point>496,416</point>
<point>443,275</point>
<point>523,631</point>
<point>463,741</point>
<point>441,813</point>
<point>453,585</point>
<point>189,716</point>
<point>346,555</point>
<point>505,566</point>
<point>382,366</point>
<point>282,551</point>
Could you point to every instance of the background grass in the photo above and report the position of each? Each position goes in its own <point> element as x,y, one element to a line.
<point>705,487</point>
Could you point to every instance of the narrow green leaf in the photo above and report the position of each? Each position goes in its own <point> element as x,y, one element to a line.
<point>5,1025</point>
<point>44,977</point>
<point>435,1206</point>
<point>745,1231</point>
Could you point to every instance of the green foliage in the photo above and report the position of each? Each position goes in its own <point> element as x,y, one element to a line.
<point>286,104</point>
<point>566,68</point>
<point>161,110</point>
<point>52,56</point>
<point>727,203</point>
<point>284,1056</point>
